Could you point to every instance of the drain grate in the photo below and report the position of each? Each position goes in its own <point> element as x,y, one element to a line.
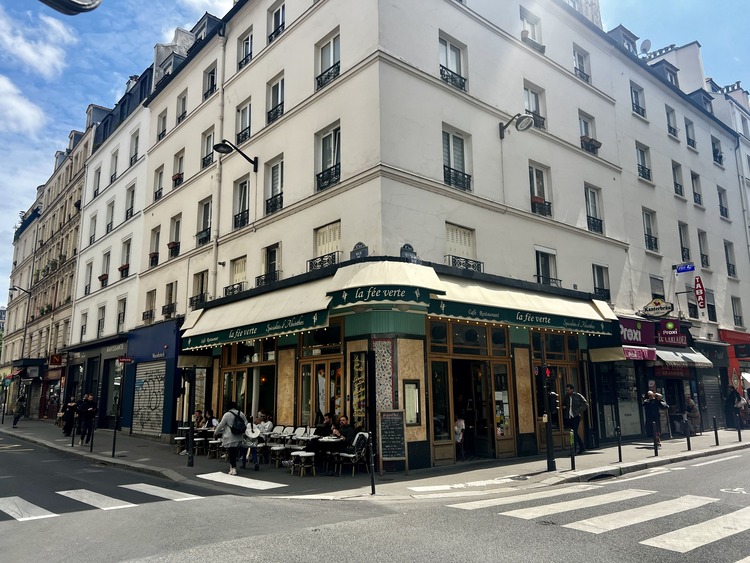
<point>547,523</point>
<point>519,478</point>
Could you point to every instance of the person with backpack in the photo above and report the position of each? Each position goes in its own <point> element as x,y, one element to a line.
<point>574,405</point>
<point>231,430</point>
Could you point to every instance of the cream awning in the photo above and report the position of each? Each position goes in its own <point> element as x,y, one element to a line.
<point>682,357</point>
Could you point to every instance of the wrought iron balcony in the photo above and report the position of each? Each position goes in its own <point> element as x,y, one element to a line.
<point>546,280</point>
<point>168,309</point>
<point>124,271</point>
<point>738,320</point>
<point>241,219</point>
<point>456,178</point>
<point>113,177</point>
<point>603,293</point>
<point>590,145</point>
<point>177,179</point>
<point>541,207</point>
<point>207,160</point>
<point>275,203</point>
<point>96,192</point>
<point>234,289</point>
<point>724,211</point>
<point>161,134</point>
<point>731,270</point>
<point>87,289</point>
<point>323,261</point>
<point>704,260</point>
<point>92,239</point>
<point>328,177</point>
<point>276,32</point>
<point>595,224</point>
<point>644,172</point>
<point>174,248</point>
<point>153,259</point>
<point>691,143</point>
<point>719,158</point>
<point>265,279</point>
<point>464,263</point>
<point>581,74</point>
<point>158,193</point>
<point>128,213</point>
<point>672,130</point>
<point>275,113</point>
<point>197,300</point>
<point>210,90</point>
<point>447,75</point>
<point>243,62</point>
<point>148,315</point>
<point>328,75</point>
<point>639,110</point>
<point>697,198</point>
<point>243,135</point>
<point>110,226</point>
<point>685,254</point>
<point>203,236</point>
<point>133,159</point>
<point>652,243</point>
<point>181,117</point>
<point>538,119</point>
<point>678,189</point>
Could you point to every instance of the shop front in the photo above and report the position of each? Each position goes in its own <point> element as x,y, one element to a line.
<point>739,363</point>
<point>711,381</point>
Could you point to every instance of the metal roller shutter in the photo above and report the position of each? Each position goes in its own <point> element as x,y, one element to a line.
<point>148,403</point>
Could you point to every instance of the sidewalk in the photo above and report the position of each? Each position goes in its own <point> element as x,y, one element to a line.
<point>463,479</point>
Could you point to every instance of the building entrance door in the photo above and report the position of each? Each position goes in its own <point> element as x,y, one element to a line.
<point>473,401</point>
<point>321,391</point>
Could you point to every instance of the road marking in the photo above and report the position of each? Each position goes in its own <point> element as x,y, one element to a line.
<point>153,490</point>
<point>22,510</point>
<point>737,490</point>
<point>486,503</point>
<point>639,515</point>
<point>744,560</point>
<point>239,481</point>
<point>567,506</point>
<point>715,460</point>
<point>95,499</point>
<point>660,472</point>
<point>687,539</point>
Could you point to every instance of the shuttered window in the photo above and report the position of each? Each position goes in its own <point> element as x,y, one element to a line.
<point>239,269</point>
<point>328,239</point>
<point>460,241</point>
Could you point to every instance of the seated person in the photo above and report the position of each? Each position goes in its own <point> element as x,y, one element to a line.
<point>263,422</point>
<point>210,421</point>
<point>198,419</point>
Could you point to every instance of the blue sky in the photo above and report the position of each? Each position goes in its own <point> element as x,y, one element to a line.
<point>53,66</point>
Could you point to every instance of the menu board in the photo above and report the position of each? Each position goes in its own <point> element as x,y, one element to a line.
<point>392,437</point>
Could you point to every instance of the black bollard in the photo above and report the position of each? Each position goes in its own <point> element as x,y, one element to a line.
<point>618,432</point>
<point>572,450</point>
<point>716,432</point>
<point>686,431</point>
<point>739,430</point>
<point>372,463</point>
<point>656,439</point>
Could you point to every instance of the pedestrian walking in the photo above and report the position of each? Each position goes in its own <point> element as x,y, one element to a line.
<point>732,405</point>
<point>69,416</point>
<point>87,424</point>
<point>574,406</point>
<point>653,403</point>
<point>18,410</point>
<point>693,415</point>
<point>231,430</point>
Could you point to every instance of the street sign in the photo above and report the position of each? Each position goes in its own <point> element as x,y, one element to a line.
<point>125,360</point>
<point>684,267</point>
<point>700,292</point>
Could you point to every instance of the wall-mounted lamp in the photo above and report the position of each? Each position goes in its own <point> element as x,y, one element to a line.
<point>226,147</point>
<point>16,288</point>
<point>523,122</point>
<point>222,264</point>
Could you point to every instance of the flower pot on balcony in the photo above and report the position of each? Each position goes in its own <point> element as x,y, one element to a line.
<point>173,244</point>
<point>123,267</point>
<point>177,176</point>
<point>104,277</point>
<point>153,254</point>
<point>537,199</point>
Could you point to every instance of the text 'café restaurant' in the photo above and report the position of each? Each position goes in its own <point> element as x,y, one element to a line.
<point>385,334</point>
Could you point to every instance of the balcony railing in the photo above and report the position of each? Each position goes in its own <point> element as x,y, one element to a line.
<point>685,254</point>
<point>158,193</point>
<point>275,113</point>
<point>678,189</point>
<point>153,259</point>
<point>704,260</point>
<point>275,203</point>
<point>546,280</point>
<point>541,207</point>
<point>456,178</point>
<point>210,90</point>
<point>328,75</point>
<point>177,179</point>
<point>595,224</point>
<point>731,270</point>
<point>276,32</point>
<point>234,289</point>
<point>128,213</point>
<point>738,320</point>
<point>161,134</point>
<point>197,300</point>
<point>110,226</point>
<point>538,119</point>
<point>724,211</point>
<point>590,145</point>
<point>241,219</point>
<point>652,243</point>
<point>207,160</point>
<point>603,293</point>
<point>697,198</point>
<point>181,117</point>
<point>265,279</point>
<point>328,177</point>
<point>447,75</point>
<point>581,74</point>
<point>113,177</point>
<point>243,62</point>
<point>639,110</point>
<point>644,172</point>
<point>168,309</point>
<point>243,135</point>
<point>87,289</point>
<point>719,158</point>
<point>464,263</point>
<point>672,130</point>
<point>148,315</point>
<point>691,143</point>
<point>92,239</point>
<point>174,248</point>
<point>133,159</point>
<point>323,261</point>
<point>203,236</point>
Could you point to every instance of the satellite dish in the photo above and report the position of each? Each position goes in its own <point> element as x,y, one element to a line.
<point>645,46</point>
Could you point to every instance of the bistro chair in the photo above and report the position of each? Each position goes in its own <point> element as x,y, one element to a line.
<point>359,456</point>
<point>213,449</point>
<point>179,444</point>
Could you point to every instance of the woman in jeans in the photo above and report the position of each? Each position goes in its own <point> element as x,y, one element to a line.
<point>229,440</point>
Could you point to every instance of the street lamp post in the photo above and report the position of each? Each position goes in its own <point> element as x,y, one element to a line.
<point>226,147</point>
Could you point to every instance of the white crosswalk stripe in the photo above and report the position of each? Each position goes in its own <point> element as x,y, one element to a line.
<point>153,490</point>
<point>543,494</point>
<point>585,502</point>
<point>95,499</point>
<point>23,510</point>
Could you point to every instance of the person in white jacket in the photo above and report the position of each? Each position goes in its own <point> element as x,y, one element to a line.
<point>229,440</point>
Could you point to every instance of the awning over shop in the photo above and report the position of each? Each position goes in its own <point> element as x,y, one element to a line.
<point>468,299</point>
<point>682,357</point>
<point>14,373</point>
<point>191,318</point>
<point>292,309</point>
<point>639,352</point>
<point>620,353</point>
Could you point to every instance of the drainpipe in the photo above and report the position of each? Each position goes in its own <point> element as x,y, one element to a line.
<point>216,193</point>
<point>743,191</point>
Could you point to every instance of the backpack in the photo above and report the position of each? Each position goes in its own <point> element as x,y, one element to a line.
<point>238,424</point>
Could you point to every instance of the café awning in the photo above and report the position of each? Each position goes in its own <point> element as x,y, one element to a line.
<point>682,357</point>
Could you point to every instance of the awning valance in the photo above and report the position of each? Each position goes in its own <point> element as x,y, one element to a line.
<point>682,357</point>
<point>620,353</point>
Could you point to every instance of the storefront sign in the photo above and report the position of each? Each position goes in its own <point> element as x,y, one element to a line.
<point>672,371</point>
<point>379,294</point>
<point>658,308</point>
<point>635,331</point>
<point>742,350</point>
<point>700,292</point>
<point>305,321</point>
<point>668,333</point>
<point>523,318</point>
<point>639,353</point>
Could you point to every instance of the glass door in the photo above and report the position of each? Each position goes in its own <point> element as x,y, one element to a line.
<point>505,429</point>
<point>443,451</point>
<point>321,393</point>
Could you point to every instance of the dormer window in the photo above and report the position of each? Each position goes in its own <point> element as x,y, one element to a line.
<point>672,77</point>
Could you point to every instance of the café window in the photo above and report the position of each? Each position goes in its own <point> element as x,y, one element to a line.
<point>323,341</point>
<point>469,339</point>
<point>555,346</point>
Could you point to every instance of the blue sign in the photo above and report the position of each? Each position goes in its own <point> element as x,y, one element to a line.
<point>686,267</point>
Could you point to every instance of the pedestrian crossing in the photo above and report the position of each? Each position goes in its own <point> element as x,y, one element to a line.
<point>22,510</point>
<point>559,501</point>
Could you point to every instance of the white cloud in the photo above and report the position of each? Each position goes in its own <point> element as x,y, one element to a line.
<point>17,113</point>
<point>39,45</point>
<point>216,7</point>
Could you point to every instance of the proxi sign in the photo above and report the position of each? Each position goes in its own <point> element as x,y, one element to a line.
<point>700,292</point>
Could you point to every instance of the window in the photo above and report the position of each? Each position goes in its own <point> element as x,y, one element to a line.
<point>208,148</point>
<point>450,63</point>
<point>671,77</point>
<point>110,216</point>
<point>158,183</point>
<point>703,247</point>
<point>243,123</point>
<point>204,222</point>
<point>129,202</point>
<point>716,151</point>
<point>113,167</point>
<point>278,18</point>
<point>92,229</point>
<point>209,81</point>
<point>329,61</point>
<point>170,300</point>
<point>532,101</point>
<point>737,311</point>
<point>97,181</point>
<point>240,203</point>
<point>100,322</point>
<point>538,190</point>
<point>125,258</point>
<point>629,44</point>
<point>649,230</point>
<point>154,246</point>
<point>729,256</point>
<point>531,28</point>
<point>272,259</point>
<point>181,107</point>
<point>644,163</point>
<point>178,169</point>
<point>121,303</point>
<point>682,231</point>
<point>238,269</point>
<point>175,228</point>
<point>593,213</point>
<point>638,100</point>
<point>690,134</point>
<point>601,282</point>
<point>330,158</point>
<point>692,304</point>
<point>161,125</point>
<point>588,134</point>
<point>200,289</point>
<point>671,121</point>
<point>707,104</point>
<point>245,49</point>
<point>134,139</point>
<point>148,313</point>
<point>460,247</point>
<point>328,241</point>
<point>87,278</point>
<point>546,267</point>
<point>723,205</point>
<point>84,322</point>
<point>274,201</point>
<point>695,182</point>
<point>744,126</point>
<point>581,63</point>
<point>454,161</point>
<point>677,179</point>
<point>657,287</point>
<point>710,305</point>
<point>276,100</point>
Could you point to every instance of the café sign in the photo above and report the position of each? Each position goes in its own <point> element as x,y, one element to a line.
<point>379,294</point>
<point>668,334</point>
<point>658,308</point>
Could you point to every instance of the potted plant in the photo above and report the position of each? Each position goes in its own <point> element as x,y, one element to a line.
<point>103,277</point>
<point>176,176</point>
<point>123,267</point>
<point>537,199</point>
<point>173,244</point>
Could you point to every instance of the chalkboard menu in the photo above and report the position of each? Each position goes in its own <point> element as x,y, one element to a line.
<point>392,437</point>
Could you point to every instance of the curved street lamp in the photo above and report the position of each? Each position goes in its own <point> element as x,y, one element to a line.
<point>523,122</point>
<point>226,147</point>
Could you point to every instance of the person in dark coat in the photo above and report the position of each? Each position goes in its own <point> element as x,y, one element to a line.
<point>652,405</point>
<point>87,424</point>
<point>69,416</point>
<point>18,410</point>
<point>731,410</point>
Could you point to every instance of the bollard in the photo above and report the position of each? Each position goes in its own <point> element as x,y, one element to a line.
<point>716,432</point>
<point>618,432</point>
<point>686,431</point>
<point>739,430</point>
<point>656,439</point>
<point>572,450</point>
<point>372,463</point>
